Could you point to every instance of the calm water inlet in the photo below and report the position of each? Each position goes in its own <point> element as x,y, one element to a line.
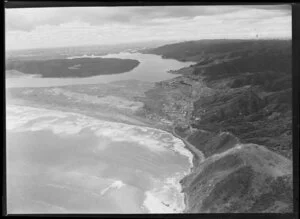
<point>152,68</point>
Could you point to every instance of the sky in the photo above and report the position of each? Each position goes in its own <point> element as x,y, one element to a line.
<point>28,28</point>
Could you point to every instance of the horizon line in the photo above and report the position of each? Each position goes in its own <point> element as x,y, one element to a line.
<point>124,43</point>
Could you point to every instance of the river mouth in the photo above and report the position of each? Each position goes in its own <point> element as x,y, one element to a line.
<point>152,68</point>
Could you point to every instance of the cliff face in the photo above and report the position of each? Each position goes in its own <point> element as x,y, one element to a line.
<point>240,116</point>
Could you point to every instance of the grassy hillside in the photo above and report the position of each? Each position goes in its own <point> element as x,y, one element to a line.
<point>246,178</point>
<point>206,51</point>
<point>240,116</point>
<point>250,89</point>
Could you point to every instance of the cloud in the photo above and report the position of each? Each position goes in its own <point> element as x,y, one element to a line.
<point>286,8</point>
<point>51,27</point>
<point>27,19</point>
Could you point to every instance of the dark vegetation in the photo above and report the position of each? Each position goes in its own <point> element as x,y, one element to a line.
<point>250,102</point>
<point>79,67</point>
<point>252,81</point>
<point>210,144</point>
<point>236,184</point>
<point>202,51</point>
<point>240,181</point>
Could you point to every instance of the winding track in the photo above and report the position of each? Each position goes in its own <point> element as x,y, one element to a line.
<point>199,157</point>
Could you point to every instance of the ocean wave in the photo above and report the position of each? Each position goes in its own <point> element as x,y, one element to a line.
<point>166,198</point>
<point>115,185</point>
<point>68,123</point>
<point>72,123</point>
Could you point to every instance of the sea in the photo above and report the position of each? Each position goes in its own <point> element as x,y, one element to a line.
<point>64,162</point>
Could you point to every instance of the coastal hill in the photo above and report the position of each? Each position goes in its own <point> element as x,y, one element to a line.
<point>234,105</point>
<point>78,67</point>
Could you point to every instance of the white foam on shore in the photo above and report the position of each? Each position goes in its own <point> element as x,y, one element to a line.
<point>166,198</point>
<point>72,123</point>
<point>115,185</point>
<point>154,205</point>
<point>180,147</point>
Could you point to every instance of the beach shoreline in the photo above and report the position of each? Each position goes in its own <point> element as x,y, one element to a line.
<point>198,158</point>
<point>180,149</point>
